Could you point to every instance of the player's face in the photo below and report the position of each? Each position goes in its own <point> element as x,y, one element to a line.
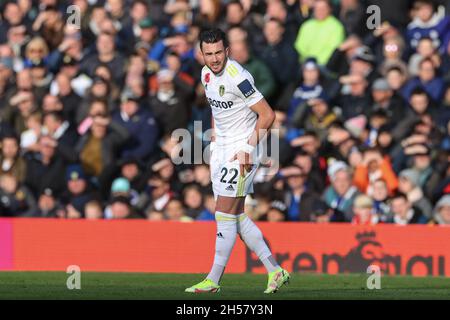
<point>215,56</point>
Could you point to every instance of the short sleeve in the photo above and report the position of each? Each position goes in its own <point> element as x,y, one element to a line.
<point>246,89</point>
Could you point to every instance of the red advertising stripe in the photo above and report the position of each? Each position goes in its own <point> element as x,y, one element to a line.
<point>143,246</point>
<point>331,248</point>
<point>127,245</point>
<point>6,246</point>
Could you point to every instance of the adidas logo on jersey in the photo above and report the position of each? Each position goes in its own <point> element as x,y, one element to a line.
<point>229,188</point>
<point>220,235</point>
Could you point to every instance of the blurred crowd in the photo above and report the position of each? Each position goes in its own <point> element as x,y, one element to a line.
<point>91,91</point>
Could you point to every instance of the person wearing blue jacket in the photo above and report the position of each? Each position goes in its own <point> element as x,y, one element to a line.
<point>141,126</point>
<point>427,23</point>
<point>428,80</point>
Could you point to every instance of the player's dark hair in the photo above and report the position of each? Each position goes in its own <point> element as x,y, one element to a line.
<point>213,36</point>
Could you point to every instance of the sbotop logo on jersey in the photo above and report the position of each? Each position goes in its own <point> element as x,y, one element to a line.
<point>220,104</point>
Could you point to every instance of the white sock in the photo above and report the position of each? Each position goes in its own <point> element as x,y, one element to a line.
<point>253,238</point>
<point>226,237</point>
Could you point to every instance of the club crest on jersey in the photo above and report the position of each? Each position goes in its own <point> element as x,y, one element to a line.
<point>221,90</point>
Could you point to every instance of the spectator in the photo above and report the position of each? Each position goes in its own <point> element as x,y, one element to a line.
<point>175,211</point>
<point>322,213</point>
<point>403,211</point>
<point>298,198</point>
<point>362,62</point>
<point>69,99</point>
<point>141,127</point>
<point>363,211</point>
<point>209,208</point>
<point>202,177</point>
<point>10,159</point>
<point>62,132</point>
<point>315,177</point>
<point>93,210</point>
<point>341,194</point>
<point>48,206</point>
<point>122,187</point>
<point>263,77</point>
<point>131,169</point>
<point>15,199</point>
<point>373,167</point>
<point>121,208</point>
<point>427,23</point>
<point>277,212</point>
<point>156,194</point>
<point>339,62</point>
<point>18,109</point>
<point>310,87</point>
<point>319,36</point>
<point>352,16</point>
<point>279,55</point>
<point>148,31</point>
<point>384,98</point>
<point>441,214</point>
<point>169,104</point>
<point>318,118</point>
<point>45,168</point>
<point>425,49</point>
<point>193,201</point>
<point>378,191</point>
<point>396,77</point>
<point>78,191</point>
<point>101,90</point>
<point>99,146</point>
<point>50,24</point>
<point>393,51</point>
<point>154,215</point>
<point>106,54</point>
<point>357,101</point>
<point>409,185</point>
<point>29,138</point>
<point>427,79</point>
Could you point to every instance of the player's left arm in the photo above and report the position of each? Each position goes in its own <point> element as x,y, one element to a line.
<point>266,117</point>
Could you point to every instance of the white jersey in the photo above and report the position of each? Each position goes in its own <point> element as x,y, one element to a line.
<point>230,95</point>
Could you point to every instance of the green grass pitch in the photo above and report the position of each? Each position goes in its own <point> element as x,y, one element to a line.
<point>52,285</point>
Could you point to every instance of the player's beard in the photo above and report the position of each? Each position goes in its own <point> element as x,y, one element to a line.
<point>222,67</point>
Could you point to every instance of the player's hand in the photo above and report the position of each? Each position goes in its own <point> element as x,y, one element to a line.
<point>245,162</point>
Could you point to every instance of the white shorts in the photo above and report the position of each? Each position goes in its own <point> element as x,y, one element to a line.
<point>225,174</point>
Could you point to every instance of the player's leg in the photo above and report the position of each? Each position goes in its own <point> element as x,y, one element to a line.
<point>227,209</point>
<point>253,238</point>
